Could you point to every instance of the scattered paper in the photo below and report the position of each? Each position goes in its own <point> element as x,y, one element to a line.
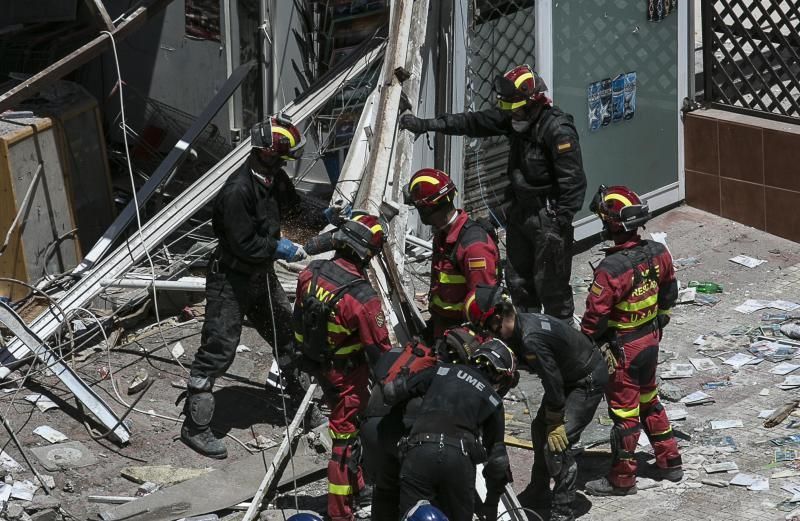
<point>746,261</point>
<point>759,484</point>
<point>790,381</point>
<point>703,364</point>
<point>9,463</point>
<point>763,392</point>
<point>784,454</point>
<point>686,295</point>
<point>791,488</point>
<point>23,490</point>
<point>678,371</point>
<point>676,413</point>
<point>177,350</point>
<point>697,398</point>
<point>725,466</point>
<point>273,377</point>
<point>50,434</point>
<point>766,413</point>
<point>784,368</point>
<point>739,359</point>
<point>744,480</point>
<point>751,305</point>
<point>725,424</point>
<point>42,402</point>
<point>785,473</point>
<point>78,325</point>
<point>785,305</point>
<point>5,493</point>
<point>786,440</point>
<point>241,348</point>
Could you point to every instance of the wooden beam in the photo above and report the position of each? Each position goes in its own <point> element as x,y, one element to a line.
<point>100,14</point>
<point>81,56</point>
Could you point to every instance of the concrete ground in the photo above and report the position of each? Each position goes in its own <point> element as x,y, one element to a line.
<point>246,411</point>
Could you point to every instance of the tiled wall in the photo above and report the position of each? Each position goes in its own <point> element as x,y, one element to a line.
<point>745,169</point>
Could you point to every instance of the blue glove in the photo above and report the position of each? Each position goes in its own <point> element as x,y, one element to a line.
<point>336,214</point>
<point>286,250</point>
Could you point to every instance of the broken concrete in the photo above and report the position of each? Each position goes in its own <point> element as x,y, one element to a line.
<point>162,474</point>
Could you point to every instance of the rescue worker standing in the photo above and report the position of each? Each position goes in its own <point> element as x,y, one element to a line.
<point>241,279</point>
<point>464,252</point>
<point>340,329</point>
<point>573,375</point>
<point>547,187</point>
<point>462,404</point>
<point>628,304</point>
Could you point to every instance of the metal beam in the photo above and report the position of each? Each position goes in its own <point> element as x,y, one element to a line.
<point>180,209</point>
<point>30,343</point>
<point>81,56</point>
<point>170,163</point>
<point>100,14</point>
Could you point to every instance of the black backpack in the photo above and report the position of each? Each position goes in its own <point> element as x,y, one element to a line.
<point>316,313</point>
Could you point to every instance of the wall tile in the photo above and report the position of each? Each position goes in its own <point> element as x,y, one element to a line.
<point>701,139</point>
<point>782,159</point>
<point>702,191</point>
<point>783,217</point>
<point>741,152</point>
<point>742,202</point>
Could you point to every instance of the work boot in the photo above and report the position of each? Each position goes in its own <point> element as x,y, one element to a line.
<point>364,498</point>
<point>674,474</point>
<point>560,513</point>
<point>535,497</point>
<point>199,409</point>
<point>603,487</point>
<point>203,441</point>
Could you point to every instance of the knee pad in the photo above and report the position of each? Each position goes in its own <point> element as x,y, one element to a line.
<point>200,408</point>
<point>618,435</point>
<point>497,465</point>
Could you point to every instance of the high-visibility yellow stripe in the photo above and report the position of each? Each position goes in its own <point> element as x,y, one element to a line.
<point>377,228</point>
<point>626,413</point>
<point>346,350</point>
<point>283,131</point>
<point>336,328</point>
<point>426,179</point>
<point>526,76</point>
<point>632,325</point>
<point>618,197</point>
<point>340,490</point>
<point>342,435</point>
<point>447,306</point>
<point>509,105</point>
<point>665,311</point>
<point>298,337</point>
<point>661,433</point>
<point>451,278</point>
<point>636,306</point>
<point>648,397</point>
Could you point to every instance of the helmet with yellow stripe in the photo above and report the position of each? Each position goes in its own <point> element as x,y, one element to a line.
<point>363,235</point>
<point>428,188</point>
<point>277,137</point>
<point>518,87</point>
<point>620,208</point>
<point>485,302</point>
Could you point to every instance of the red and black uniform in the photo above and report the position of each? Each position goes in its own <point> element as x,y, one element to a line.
<point>356,333</point>
<point>629,301</point>
<point>464,255</point>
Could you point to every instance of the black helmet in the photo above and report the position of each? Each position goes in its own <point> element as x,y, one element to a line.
<point>495,359</point>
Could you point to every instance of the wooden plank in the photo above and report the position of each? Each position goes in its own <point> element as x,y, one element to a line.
<point>80,56</point>
<point>100,14</point>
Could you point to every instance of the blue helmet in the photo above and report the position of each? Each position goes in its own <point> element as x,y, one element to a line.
<point>424,511</point>
<point>304,516</point>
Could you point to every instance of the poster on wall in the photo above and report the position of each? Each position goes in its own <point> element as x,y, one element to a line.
<point>611,100</point>
<point>657,10</point>
<point>202,20</point>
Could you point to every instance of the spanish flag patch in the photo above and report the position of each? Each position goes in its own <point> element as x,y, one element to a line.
<point>564,147</point>
<point>596,289</point>
<point>476,263</point>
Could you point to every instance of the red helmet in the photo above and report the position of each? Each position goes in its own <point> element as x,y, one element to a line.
<point>484,302</point>
<point>498,361</point>
<point>277,136</point>
<point>519,86</point>
<point>620,208</point>
<point>428,188</point>
<point>363,234</point>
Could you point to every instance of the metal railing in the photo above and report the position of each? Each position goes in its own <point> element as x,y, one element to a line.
<point>751,57</point>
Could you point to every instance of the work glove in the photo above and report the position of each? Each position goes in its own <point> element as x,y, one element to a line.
<point>413,124</point>
<point>289,251</point>
<point>608,356</point>
<point>556,431</point>
<point>337,212</point>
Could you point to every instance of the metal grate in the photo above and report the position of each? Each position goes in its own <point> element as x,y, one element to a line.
<point>501,36</point>
<point>751,56</point>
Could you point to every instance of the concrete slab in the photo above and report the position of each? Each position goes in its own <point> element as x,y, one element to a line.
<point>70,455</point>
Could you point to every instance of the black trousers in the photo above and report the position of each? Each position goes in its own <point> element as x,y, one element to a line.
<point>381,463</point>
<point>230,296</point>
<point>443,475</point>
<point>539,263</point>
<point>582,400</point>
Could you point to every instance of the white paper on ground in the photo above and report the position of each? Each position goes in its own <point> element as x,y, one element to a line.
<point>42,402</point>
<point>751,305</point>
<point>747,261</point>
<point>5,492</point>
<point>676,413</point>
<point>759,484</point>
<point>744,480</point>
<point>703,364</point>
<point>678,371</point>
<point>725,424</point>
<point>784,368</point>
<point>739,359</point>
<point>50,434</point>
<point>785,305</point>
<point>766,413</point>
<point>696,396</point>
<point>178,350</point>
<point>9,463</point>
<point>725,466</point>
<point>764,392</point>
<point>23,490</point>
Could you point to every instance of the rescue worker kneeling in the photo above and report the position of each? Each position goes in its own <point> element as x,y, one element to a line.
<point>462,404</point>
<point>340,329</point>
<point>573,375</point>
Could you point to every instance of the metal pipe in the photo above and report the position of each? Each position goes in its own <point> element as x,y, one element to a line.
<point>184,284</point>
<point>416,241</point>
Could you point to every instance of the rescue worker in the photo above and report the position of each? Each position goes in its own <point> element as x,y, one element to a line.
<point>574,376</point>
<point>547,187</point>
<point>340,330</point>
<point>383,426</point>
<point>241,279</point>
<point>464,251</point>
<point>460,423</point>
<point>627,306</point>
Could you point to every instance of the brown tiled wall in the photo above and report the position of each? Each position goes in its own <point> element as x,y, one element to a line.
<point>745,169</point>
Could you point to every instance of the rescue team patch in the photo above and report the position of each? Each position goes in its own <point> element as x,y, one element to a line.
<point>564,147</point>
<point>476,263</point>
<point>380,319</point>
<point>596,289</point>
